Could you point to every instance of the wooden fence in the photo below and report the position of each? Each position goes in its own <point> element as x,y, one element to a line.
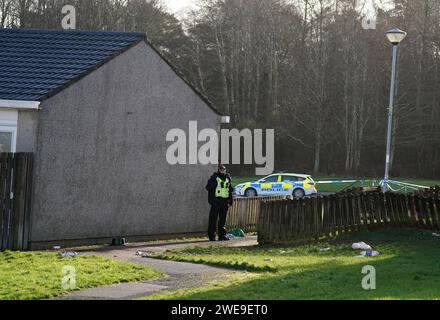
<point>433,192</point>
<point>315,218</point>
<point>244,213</point>
<point>15,196</point>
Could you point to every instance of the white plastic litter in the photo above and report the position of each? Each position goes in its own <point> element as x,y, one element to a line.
<point>368,253</point>
<point>361,246</point>
<point>436,234</point>
<point>143,254</point>
<point>56,247</point>
<point>324,249</point>
<point>69,254</point>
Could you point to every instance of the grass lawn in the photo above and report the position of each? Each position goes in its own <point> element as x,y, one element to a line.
<point>38,275</point>
<point>407,268</point>
<point>340,186</point>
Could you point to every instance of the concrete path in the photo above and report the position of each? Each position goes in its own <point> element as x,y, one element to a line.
<point>180,275</point>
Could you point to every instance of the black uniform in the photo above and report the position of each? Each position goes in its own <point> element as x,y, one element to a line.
<point>219,206</point>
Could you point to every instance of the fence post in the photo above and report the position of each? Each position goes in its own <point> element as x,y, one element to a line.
<point>398,210</point>
<point>296,218</point>
<point>437,211</point>
<point>15,200</point>
<point>422,213</point>
<point>407,211</point>
<point>3,218</point>
<point>431,209</point>
<point>384,213</point>
<point>262,224</point>
<point>333,218</point>
<point>347,213</point>
<point>319,217</point>
<point>324,216</point>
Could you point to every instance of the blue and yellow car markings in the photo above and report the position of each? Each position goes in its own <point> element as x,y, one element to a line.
<point>282,185</point>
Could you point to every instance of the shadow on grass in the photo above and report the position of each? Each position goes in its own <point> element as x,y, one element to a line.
<point>236,265</point>
<point>131,246</point>
<point>408,269</point>
<point>334,282</point>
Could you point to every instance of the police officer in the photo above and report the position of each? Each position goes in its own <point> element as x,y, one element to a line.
<point>220,198</point>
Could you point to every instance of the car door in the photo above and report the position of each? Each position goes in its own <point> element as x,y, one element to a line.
<point>288,184</point>
<point>268,185</point>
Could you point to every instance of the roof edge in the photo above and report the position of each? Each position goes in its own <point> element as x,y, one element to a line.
<point>19,104</point>
<point>142,38</point>
<point>48,31</point>
<point>180,75</point>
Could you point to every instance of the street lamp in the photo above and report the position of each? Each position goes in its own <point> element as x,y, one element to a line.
<point>395,36</point>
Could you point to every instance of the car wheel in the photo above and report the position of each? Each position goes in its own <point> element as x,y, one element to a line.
<point>299,193</point>
<point>250,193</point>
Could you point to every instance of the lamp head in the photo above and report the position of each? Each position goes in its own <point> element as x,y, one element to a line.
<point>396,36</point>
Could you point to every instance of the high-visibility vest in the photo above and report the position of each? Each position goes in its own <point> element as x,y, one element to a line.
<point>222,190</point>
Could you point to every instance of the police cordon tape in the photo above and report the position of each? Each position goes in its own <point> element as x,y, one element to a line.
<point>403,185</point>
<point>408,184</point>
<point>336,181</point>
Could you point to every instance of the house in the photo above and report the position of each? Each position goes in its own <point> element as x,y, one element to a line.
<point>94,108</point>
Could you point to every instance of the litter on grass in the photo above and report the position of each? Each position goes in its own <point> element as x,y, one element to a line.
<point>361,246</point>
<point>143,254</point>
<point>268,260</point>
<point>368,253</point>
<point>436,234</point>
<point>69,254</point>
<point>239,233</point>
<point>324,250</point>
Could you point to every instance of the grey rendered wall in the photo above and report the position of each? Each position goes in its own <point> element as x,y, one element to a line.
<point>101,167</point>
<point>27,131</point>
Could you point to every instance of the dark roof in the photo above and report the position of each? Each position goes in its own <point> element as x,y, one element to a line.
<point>36,64</point>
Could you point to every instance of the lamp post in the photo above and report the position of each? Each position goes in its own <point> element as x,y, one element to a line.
<point>395,36</point>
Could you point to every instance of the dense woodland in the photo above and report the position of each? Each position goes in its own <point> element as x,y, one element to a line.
<point>304,67</point>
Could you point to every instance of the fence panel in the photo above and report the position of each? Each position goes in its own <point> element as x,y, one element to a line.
<point>245,212</point>
<point>15,200</point>
<point>313,218</point>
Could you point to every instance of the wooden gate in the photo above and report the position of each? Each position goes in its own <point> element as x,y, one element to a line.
<point>15,200</point>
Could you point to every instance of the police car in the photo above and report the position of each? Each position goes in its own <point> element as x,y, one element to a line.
<point>280,184</point>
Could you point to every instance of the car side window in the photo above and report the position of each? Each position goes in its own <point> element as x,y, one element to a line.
<point>271,179</point>
<point>292,179</point>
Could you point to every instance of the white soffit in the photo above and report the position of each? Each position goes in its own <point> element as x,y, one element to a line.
<point>20,104</point>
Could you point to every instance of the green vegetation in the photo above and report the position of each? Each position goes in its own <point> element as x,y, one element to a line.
<point>38,275</point>
<point>340,186</point>
<point>407,268</point>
